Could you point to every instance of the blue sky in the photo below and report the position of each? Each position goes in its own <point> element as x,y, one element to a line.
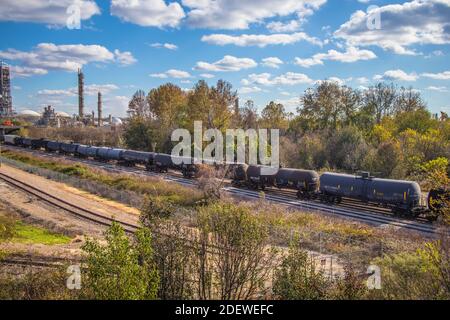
<point>268,49</point>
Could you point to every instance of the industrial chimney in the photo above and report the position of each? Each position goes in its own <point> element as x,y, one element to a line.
<point>80,94</point>
<point>99,111</point>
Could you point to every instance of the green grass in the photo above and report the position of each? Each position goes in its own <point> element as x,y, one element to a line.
<point>25,233</point>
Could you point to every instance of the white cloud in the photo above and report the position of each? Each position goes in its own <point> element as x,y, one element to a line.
<point>260,40</point>
<point>438,89</point>
<point>169,46</point>
<point>336,80</point>
<point>396,75</point>
<point>272,62</point>
<point>352,54</point>
<point>71,57</point>
<point>124,58</point>
<point>228,63</point>
<point>90,90</point>
<point>290,104</point>
<point>277,26</point>
<point>438,76</point>
<point>266,79</point>
<point>238,14</point>
<point>246,90</point>
<point>172,73</point>
<point>44,11</point>
<point>148,13</point>
<point>207,75</point>
<point>116,106</point>
<point>18,71</point>
<point>363,80</point>
<point>402,25</point>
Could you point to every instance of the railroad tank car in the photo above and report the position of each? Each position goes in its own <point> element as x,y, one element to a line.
<point>131,158</point>
<point>163,162</point>
<point>108,154</point>
<point>306,182</point>
<point>10,139</point>
<point>87,151</point>
<point>240,173</point>
<point>189,168</point>
<point>81,150</point>
<point>102,153</point>
<point>114,154</point>
<point>39,144</point>
<point>256,178</point>
<point>53,146</point>
<point>26,142</point>
<point>68,148</point>
<point>401,196</point>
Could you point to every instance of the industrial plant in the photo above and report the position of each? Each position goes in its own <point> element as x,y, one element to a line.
<point>49,116</point>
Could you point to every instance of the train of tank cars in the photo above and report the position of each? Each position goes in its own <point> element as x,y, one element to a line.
<point>402,197</point>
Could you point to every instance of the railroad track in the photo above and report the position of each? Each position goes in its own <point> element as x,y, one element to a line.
<point>84,213</point>
<point>360,212</point>
<point>67,206</point>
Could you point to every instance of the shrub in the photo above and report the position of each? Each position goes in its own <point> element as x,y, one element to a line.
<point>298,278</point>
<point>120,269</point>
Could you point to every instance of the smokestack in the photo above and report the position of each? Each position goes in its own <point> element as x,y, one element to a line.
<point>80,94</point>
<point>99,111</point>
<point>93,118</point>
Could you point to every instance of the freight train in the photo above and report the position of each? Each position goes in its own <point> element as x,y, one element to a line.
<point>402,197</point>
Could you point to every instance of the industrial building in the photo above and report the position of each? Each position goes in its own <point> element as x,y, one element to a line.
<point>5,91</point>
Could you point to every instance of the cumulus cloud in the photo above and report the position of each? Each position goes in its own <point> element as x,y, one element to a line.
<point>228,63</point>
<point>352,54</point>
<point>438,76</point>
<point>272,62</point>
<point>246,90</point>
<point>396,75</point>
<point>172,73</point>
<point>169,46</point>
<point>402,25</point>
<point>277,26</point>
<point>260,40</point>
<point>44,11</point>
<point>18,71</point>
<point>71,57</point>
<point>148,13</point>
<point>124,58</point>
<point>438,89</point>
<point>266,79</point>
<point>238,14</point>
<point>90,90</point>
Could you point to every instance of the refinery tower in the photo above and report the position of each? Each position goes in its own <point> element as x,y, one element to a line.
<point>5,91</point>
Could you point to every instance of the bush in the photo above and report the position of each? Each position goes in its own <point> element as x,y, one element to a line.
<point>424,274</point>
<point>45,284</point>
<point>241,261</point>
<point>298,278</point>
<point>120,269</point>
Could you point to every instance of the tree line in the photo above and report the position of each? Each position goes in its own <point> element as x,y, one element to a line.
<point>384,129</point>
